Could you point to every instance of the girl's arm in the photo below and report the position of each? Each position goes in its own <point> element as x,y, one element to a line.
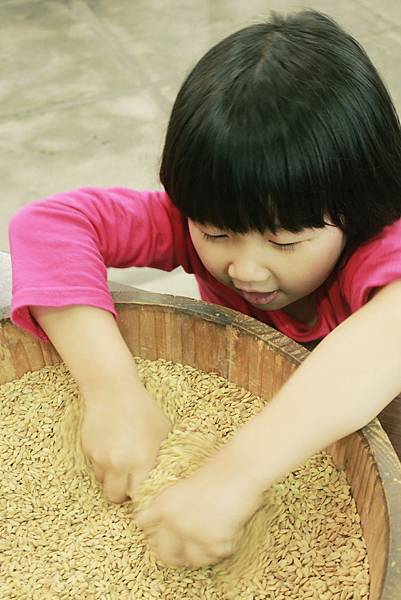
<point>345,382</point>
<point>122,426</point>
<point>341,386</point>
<point>90,343</point>
<point>62,246</point>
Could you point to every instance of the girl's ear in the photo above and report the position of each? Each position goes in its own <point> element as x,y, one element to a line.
<point>343,220</point>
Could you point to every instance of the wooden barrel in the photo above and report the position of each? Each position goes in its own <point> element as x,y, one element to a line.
<point>260,359</point>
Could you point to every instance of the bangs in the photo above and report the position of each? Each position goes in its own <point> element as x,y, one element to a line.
<point>260,181</point>
<point>284,125</point>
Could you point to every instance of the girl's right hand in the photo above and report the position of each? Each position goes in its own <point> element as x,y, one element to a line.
<point>121,435</point>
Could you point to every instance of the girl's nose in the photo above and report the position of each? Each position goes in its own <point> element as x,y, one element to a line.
<point>246,271</point>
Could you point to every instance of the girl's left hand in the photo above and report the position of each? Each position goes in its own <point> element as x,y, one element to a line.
<point>197,521</point>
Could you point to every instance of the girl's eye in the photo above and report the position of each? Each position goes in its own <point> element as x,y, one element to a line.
<point>213,238</point>
<point>286,247</point>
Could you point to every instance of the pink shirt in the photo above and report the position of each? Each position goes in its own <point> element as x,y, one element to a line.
<point>61,248</point>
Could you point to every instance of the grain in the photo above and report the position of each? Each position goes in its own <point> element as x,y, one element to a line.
<point>61,539</point>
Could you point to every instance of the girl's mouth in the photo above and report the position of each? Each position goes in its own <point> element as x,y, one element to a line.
<point>259,297</point>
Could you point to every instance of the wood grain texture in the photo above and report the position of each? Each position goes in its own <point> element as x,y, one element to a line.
<point>390,418</point>
<point>260,359</point>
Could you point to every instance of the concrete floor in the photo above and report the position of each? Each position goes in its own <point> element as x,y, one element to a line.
<point>87,87</point>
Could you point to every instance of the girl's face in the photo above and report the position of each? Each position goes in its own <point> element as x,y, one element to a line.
<point>269,271</point>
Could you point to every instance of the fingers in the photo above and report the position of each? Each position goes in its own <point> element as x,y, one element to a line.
<point>146,520</point>
<point>115,486</point>
<point>114,483</point>
<point>200,555</point>
<point>167,549</point>
<point>174,552</point>
<point>197,556</point>
<point>224,550</point>
<point>99,472</point>
<point>138,476</point>
<point>118,486</point>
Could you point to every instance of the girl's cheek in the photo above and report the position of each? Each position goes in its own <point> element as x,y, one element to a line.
<point>215,262</point>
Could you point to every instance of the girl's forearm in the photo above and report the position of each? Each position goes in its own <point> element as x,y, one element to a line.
<point>91,345</point>
<point>345,382</point>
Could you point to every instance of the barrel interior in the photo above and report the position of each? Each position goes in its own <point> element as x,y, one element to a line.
<point>247,353</point>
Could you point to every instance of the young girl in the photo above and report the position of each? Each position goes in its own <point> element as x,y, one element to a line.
<point>282,171</point>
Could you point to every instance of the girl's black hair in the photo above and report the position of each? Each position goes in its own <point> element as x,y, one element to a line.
<point>282,124</point>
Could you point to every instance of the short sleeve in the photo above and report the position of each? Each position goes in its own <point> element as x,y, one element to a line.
<point>62,246</point>
<point>375,264</point>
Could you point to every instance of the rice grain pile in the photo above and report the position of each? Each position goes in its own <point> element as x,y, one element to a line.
<point>61,539</point>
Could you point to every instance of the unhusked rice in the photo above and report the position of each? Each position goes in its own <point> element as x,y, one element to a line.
<point>60,538</point>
